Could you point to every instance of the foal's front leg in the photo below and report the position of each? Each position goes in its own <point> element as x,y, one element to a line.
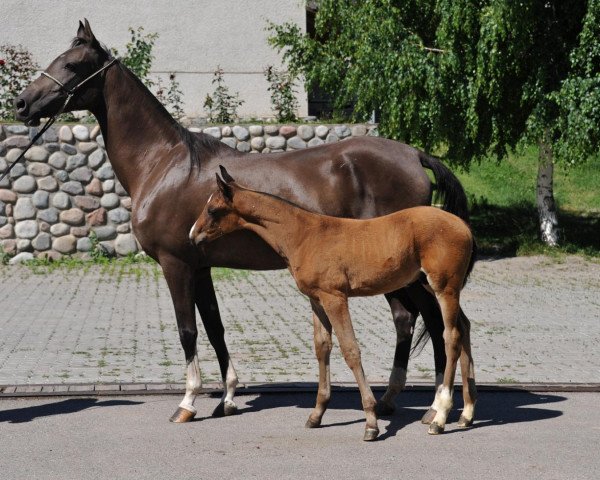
<point>323,344</point>
<point>336,308</point>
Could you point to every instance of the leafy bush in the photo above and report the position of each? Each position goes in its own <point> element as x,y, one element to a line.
<point>221,106</point>
<point>138,56</point>
<point>171,96</point>
<point>16,70</point>
<point>283,98</point>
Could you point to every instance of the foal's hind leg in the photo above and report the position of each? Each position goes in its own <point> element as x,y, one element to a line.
<point>449,304</point>
<point>323,344</point>
<point>336,308</point>
<point>206,301</point>
<point>432,318</point>
<point>405,315</point>
<point>467,370</point>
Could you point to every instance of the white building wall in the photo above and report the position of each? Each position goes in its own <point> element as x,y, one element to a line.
<point>195,36</point>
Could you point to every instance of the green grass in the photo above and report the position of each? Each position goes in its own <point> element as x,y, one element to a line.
<point>504,212</point>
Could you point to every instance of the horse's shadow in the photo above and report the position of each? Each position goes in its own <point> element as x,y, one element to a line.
<point>64,407</point>
<point>493,407</point>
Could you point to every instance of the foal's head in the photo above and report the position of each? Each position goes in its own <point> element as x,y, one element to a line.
<point>218,216</point>
<point>44,96</point>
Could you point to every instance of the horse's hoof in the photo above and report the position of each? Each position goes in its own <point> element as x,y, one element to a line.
<point>464,422</point>
<point>370,434</point>
<point>383,409</point>
<point>429,416</point>
<point>182,415</point>
<point>225,409</point>
<point>310,423</point>
<point>435,429</point>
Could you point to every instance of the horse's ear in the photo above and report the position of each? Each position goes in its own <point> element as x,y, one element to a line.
<point>85,34</point>
<point>228,178</point>
<point>225,189</point>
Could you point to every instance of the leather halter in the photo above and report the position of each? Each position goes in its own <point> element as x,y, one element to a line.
<point>70,93</point>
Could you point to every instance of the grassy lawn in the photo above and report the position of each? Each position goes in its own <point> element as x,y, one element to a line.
<point>504,213</point>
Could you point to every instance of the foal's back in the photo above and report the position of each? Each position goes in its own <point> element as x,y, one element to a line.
<point>379,255</point>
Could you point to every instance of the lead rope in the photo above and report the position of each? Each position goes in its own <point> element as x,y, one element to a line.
<point>70,93</point>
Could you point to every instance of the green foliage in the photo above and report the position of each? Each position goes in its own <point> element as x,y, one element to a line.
<point>221,106</point>
<point>171,96</point>
<point>138,56</point>
<point>503,206</point>
<point>466,77</point>
<point>97,252</point>
<point>283,98</point>
<point>4,257</point>
<point>16,71</point>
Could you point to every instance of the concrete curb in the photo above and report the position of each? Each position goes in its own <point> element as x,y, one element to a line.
<point>124,389</point>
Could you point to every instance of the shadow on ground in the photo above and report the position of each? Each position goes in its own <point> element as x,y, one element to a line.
<point>493,408</point>
<point>63,407</point>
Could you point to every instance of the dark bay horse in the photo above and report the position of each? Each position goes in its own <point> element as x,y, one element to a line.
<point>169,172</point>
<point>334,258</point>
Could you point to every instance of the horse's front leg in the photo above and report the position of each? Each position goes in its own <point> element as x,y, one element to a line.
<point>180,280</point>
<point>405,315</point>
<point>206,301</point>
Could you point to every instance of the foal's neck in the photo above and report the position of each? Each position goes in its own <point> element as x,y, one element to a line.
<point>137,129</point>
<point>279,223</point>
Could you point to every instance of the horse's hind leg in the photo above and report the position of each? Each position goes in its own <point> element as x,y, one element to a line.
<point>467,370</point>
<point>405,315</point>
<point>206,301</point>
<point>336,308</point>
<point>323,344</point>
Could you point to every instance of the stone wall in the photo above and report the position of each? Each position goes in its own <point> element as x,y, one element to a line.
<point>64,198</point>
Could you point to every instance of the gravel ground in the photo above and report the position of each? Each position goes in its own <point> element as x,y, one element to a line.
<point>535,319</point>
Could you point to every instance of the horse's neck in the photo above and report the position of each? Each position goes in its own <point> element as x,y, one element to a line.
<point>278,223</point>
<point>135,126</point>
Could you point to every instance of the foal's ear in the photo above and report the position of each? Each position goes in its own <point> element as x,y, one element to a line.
<point>225,189</point>
<point>228,178</point>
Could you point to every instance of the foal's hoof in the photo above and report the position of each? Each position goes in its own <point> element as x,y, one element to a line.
<point>370,434</point>
<point>182,415</point>
<point>225,409</point>
<point>311,423</point>
<point>383,409</point>
<point>464,422</point>
<point>429,416</point>
<point>435,429</point>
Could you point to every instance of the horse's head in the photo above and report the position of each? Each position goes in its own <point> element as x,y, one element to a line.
<point>45,96</point>
<point>219,216</point>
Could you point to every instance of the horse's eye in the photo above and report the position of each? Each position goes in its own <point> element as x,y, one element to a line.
<point>70,66</point>
<point>212,211</point>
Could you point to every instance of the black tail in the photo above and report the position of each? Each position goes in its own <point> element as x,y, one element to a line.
<point>450,193</point>
<point>448,190</point>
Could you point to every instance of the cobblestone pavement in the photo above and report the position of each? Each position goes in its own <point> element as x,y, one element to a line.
<point>535,319</point>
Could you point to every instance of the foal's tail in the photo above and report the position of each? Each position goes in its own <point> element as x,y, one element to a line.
<point>448,189</point>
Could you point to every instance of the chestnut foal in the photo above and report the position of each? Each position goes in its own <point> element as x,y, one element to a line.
<point>332,259</point>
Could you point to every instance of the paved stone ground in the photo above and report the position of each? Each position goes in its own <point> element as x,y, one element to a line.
<point>535,319</point>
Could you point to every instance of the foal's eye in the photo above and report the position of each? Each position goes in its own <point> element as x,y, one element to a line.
<point>70,66</point>
<point>212,211</point>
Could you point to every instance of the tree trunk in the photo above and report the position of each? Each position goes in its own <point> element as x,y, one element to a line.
<point>545,195</point>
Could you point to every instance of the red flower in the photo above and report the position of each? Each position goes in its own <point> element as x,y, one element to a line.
<point>2,62</point>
